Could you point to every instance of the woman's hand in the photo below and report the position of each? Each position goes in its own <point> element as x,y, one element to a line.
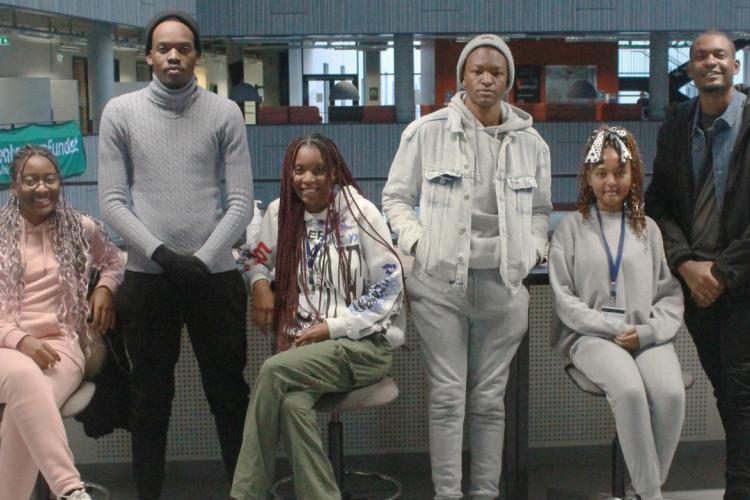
<point>629,340</point>
<point>263,302</point>
<point>40,351</point>
<point>102,307</point>
<point>316,333</point>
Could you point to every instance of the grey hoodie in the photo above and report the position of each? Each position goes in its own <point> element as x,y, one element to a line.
<point>486,141</point>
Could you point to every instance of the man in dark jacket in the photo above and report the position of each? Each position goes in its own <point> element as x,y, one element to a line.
<point>700,198</point>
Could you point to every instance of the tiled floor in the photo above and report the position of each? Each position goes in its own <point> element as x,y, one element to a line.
<point>696,475</point>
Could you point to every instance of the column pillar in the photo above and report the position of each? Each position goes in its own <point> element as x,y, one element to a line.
<point>427,59</point>
<point>271,80</point>
<point>403,62</point>
<point>101,70</point>
<point>235,69</point>
<point>372,88</point>
<point>295,76</point>
<point>658,70</point>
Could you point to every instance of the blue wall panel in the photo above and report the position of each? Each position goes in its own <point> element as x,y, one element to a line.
<point>345,17</point>
<point>329,17</point>
<point>128,12</point>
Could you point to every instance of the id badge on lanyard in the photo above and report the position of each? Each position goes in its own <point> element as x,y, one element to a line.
<point>612,312</point>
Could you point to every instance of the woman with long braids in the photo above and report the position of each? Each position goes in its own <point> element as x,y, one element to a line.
<point>47,324</point>
<point>338,289</point>
<point>618,307</point>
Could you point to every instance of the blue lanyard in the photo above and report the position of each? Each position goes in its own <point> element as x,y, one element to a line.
<point>614,267</point>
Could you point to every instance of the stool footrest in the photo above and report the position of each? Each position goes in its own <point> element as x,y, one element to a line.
<point>359,485</point>
<point>97,491</point>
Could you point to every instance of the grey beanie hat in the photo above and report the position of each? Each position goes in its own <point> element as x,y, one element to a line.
<point>488,40</point>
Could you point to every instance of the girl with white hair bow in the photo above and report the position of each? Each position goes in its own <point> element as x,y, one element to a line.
<point>618,307</point>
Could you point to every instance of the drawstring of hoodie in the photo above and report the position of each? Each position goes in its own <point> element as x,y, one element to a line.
<point>44,247</point>
<point>24,243</point>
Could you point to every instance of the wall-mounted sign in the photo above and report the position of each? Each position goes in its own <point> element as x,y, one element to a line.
<point>528,85</point>
<point>570,83</point>
<point>63,140</point>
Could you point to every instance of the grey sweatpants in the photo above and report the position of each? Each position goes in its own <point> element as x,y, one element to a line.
<point>647,396</point>
<point>467,344</point>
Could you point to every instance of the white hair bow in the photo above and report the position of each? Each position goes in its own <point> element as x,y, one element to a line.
<point>615,134</point>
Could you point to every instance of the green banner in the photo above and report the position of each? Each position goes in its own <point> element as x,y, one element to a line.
<point>64,140</point>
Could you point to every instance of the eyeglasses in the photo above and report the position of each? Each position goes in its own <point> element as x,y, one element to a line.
<point>51,181</point>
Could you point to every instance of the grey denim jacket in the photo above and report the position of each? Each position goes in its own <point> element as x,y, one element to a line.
<point>434,165</point>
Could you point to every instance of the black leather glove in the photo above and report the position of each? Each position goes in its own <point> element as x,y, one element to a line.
<point>182,270</point>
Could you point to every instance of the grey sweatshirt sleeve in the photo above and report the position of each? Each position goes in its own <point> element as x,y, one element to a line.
<point>668,306</point>
<point>114,188</point>
<point>239,187</point>
<point>402,190</point>
<point>569,307</point>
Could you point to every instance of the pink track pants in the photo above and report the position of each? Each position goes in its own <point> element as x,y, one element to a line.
<point>32,435</point>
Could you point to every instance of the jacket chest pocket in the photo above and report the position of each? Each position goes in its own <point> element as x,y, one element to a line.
<point>521,192</point>
<point>438,186</point>
<point>440,213</point>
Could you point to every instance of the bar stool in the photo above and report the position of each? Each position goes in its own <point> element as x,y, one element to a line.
<point>371,396</point>
<point>74,405</point>
<point>618,461</point>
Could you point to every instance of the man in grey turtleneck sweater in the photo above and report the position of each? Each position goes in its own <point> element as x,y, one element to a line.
<point>161,151</point>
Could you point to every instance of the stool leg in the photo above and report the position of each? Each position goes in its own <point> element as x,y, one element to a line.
<point>618,469</point>
<point>336,448</point>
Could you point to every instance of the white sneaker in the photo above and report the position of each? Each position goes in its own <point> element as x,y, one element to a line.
<point>77,495</point>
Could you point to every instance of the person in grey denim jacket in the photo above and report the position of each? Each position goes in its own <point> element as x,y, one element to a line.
<point>481,174</point>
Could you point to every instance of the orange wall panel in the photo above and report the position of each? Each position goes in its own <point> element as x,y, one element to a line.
<point>544,52</point>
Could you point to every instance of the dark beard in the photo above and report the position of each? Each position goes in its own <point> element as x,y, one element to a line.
<point>715,88</point>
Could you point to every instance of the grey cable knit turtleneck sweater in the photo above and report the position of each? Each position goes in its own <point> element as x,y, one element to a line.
<point>160,158</point>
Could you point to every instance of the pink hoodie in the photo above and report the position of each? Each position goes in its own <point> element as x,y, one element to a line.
<point>42,293</point>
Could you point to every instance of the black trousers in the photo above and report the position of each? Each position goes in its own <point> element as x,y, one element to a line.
<point>722,337</point>
<point>151,312</point>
